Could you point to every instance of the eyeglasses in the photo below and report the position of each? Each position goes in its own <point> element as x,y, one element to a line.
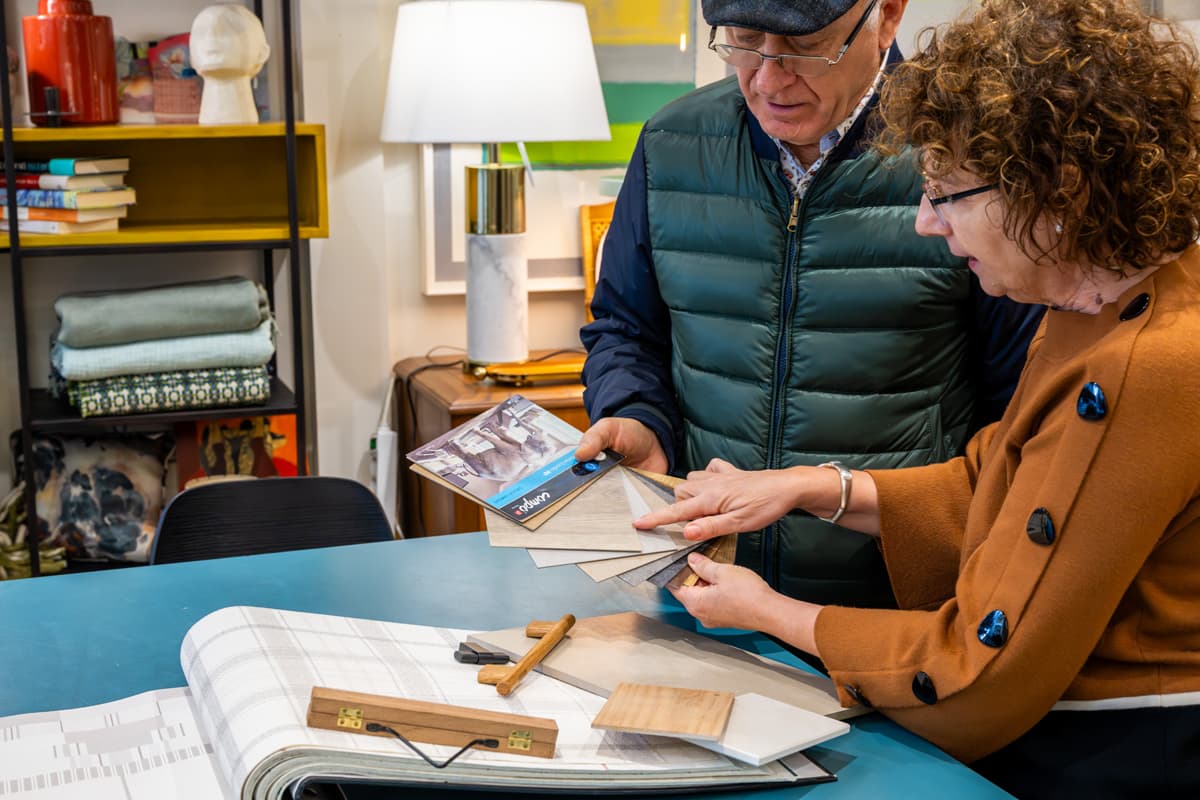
<point>938,201</point>
<point>804,66</point>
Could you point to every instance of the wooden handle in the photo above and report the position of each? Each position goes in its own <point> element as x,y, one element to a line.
<point>536,654</point>
<point>539,628</point>
<point>492,674</point>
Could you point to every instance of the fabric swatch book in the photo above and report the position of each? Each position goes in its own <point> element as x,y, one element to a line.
<point>516,458</point>
<point>237,730</point>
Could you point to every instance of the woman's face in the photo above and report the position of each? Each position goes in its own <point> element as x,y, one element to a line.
<point>973,229</point>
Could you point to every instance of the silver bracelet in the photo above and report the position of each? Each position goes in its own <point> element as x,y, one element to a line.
<point>847,478</point>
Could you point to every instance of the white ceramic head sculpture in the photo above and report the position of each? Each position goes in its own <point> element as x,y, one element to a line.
<point>227,47</point>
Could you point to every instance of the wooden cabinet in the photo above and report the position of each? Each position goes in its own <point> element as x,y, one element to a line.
<point>436,396</point>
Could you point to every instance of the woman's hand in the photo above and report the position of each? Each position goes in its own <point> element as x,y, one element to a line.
<point>724,499</point>
<point>726,597</point>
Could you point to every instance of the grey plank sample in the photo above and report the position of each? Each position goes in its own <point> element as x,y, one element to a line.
<point>648,571</point>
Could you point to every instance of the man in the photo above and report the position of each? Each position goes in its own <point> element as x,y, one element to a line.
<point>764,299</point>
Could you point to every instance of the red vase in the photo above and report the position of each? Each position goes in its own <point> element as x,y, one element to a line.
<point>71,51</point>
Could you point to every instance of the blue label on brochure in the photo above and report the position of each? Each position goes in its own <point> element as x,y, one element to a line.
<point>536,492</point>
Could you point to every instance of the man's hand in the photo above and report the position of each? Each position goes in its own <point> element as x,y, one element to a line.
<point>726,597</point>
<point>628,437</point>
<point>724,499</point>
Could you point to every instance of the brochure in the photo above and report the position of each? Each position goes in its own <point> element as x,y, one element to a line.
<point>516,458</point>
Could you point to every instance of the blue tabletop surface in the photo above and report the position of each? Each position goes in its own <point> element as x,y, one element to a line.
<point>74,640</point>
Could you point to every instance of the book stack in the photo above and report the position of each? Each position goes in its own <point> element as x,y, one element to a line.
<point>169,348</point>
<point>70,195</point>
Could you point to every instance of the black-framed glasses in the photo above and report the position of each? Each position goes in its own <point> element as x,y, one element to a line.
<point>939,201</point>
<point>804,66</point>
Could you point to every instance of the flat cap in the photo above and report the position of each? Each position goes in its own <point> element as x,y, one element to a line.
<point>783,17</point>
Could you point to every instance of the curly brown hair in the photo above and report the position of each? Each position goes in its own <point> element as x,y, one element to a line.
<point>1082,110</point>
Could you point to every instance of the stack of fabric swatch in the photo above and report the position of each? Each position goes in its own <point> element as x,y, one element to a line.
<point>170,348</point>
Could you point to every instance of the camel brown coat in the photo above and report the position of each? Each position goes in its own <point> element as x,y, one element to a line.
<point>1110,606</point>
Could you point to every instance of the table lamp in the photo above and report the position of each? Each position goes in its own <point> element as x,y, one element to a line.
<point>492,71</point>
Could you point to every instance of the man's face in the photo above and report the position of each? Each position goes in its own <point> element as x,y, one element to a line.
<point>800,110</point>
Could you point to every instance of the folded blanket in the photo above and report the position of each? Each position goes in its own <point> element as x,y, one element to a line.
<point>171,391</point>
<point>252,348</point>
<point>165,312</point>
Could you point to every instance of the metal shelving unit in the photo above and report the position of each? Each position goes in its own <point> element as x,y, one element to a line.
<point>41,412</point>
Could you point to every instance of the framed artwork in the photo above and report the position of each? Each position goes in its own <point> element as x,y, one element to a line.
<point>646,54</point>
<point>264,447</point>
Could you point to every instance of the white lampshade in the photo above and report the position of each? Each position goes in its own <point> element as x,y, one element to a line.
<point>493,71</point>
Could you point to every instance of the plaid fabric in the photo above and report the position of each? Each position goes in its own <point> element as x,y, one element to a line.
<point>171,391</point>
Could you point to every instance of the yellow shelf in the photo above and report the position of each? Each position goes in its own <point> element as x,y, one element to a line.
<point>110,133</point>
<point>181,233</point>
<point>195,183</point>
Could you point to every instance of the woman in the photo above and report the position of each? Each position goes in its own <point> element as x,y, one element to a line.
<point>1049,579</point>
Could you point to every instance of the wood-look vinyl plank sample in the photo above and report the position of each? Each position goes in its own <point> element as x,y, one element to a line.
<point>598,518</point>
<point>652,543</point>
<point>698,714</point>
<point>601,652</point>
<point>669,538</point>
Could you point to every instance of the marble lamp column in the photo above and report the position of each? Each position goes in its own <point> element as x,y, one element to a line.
<point>497,265</point>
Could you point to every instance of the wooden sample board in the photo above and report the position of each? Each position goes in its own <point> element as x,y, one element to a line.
<point>697,714</point>
<point>601,652</point>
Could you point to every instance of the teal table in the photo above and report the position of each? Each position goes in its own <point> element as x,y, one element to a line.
<point>75,640</point>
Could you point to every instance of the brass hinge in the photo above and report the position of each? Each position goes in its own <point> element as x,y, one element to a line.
<point>520,740</point>
<point>350,718</point>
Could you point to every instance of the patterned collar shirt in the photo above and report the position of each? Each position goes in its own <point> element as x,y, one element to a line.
<point>800,178</point>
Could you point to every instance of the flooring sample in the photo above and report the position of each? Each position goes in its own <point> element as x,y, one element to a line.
<point>662,485</point>
<point>668,572</point>
<point>557,558</point>
<point>661,564</point>
<point>660,540</point>
<point>601,652</point>
<point>598,518</point>
<point>721,550</point>
<point>761,730</point>
<point>669,538</point>
<point>695,714</point>
<point>612,567</point>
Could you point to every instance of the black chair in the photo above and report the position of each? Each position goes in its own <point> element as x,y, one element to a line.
<point>267,515</point>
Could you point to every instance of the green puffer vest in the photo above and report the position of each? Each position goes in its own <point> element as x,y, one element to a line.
<point>843,339</point>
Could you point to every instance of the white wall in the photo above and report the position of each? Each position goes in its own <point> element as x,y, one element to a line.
<point>368,308</point>
<point>921,14</point>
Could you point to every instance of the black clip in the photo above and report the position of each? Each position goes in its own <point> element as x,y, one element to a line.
<point>468,653</point>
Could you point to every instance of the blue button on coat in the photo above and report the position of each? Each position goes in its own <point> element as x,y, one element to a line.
<point>1091,404</point>
<point>993,631</point>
